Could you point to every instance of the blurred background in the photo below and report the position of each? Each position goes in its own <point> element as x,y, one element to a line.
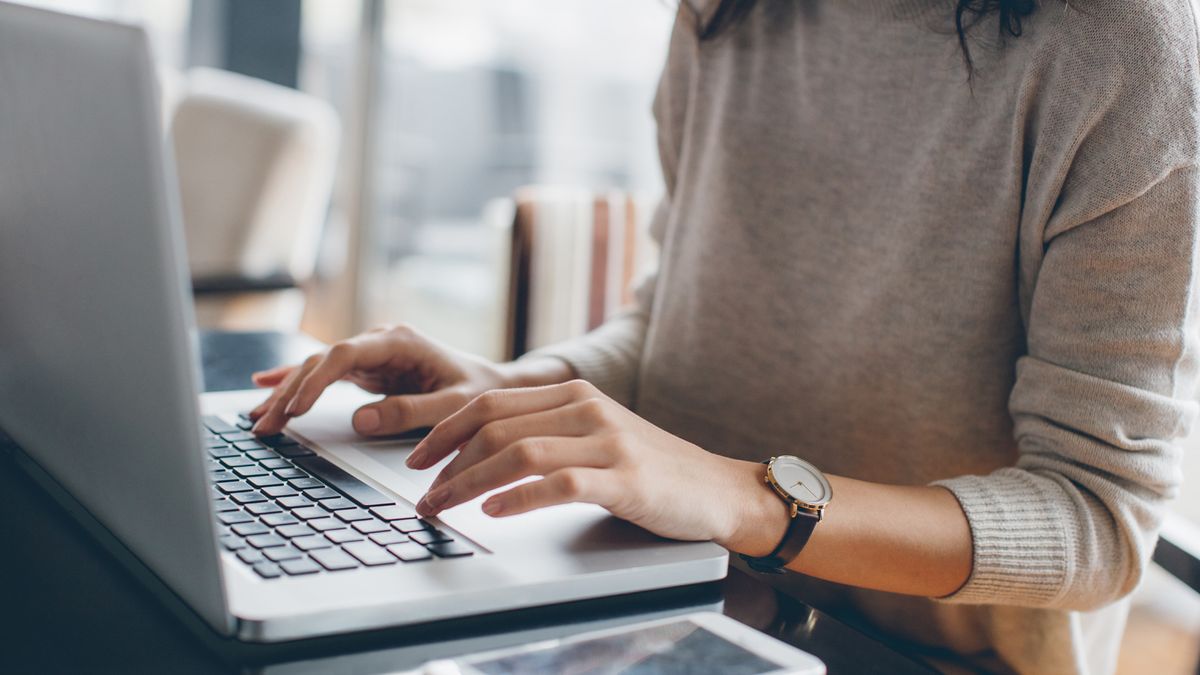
<point>480,169</point>
<point>442,110</point>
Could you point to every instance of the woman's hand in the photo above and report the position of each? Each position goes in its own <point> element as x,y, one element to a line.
<point>424,381</point>
<point>588,448</point>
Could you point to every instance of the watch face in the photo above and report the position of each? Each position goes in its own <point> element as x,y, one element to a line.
<point>801,480</point>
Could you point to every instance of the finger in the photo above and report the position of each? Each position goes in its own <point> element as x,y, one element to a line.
<point>269,378</point>
<point>488,407</point>
<point>274,419</point>
<point>272,377</point>
<point>338,361</point>
<point>573,484</point>
<point>537,456</point>
<point>366,353</point>
<point>571,420</point>
<point>262,408</point>
<point>397,414</point>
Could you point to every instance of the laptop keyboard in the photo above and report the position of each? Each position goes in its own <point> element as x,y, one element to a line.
<point>285,511</point>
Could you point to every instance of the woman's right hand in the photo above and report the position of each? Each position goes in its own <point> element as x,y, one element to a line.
<point>423,381</point>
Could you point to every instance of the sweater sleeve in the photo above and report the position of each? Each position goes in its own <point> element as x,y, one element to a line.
<point>1108,292</point>
<point>608,356</point>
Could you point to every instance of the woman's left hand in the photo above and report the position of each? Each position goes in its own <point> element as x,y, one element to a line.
<point>588,448</point>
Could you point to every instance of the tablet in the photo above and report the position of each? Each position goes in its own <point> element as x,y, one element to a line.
<point>695,644</point>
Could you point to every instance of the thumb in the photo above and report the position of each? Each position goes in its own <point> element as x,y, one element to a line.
<point>398,414</point>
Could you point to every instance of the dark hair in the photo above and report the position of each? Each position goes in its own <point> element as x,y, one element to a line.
<point>966,14</point>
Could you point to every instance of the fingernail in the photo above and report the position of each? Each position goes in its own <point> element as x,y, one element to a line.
<point>416,459</point>
<point>291,408</point>
<point>433,501</point>
<point>366,420</point>
<point>493,507</point>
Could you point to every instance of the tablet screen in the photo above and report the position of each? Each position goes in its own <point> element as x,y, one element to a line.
<point>680,648</point>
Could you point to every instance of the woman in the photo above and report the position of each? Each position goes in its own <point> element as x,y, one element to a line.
<point>952,269</point>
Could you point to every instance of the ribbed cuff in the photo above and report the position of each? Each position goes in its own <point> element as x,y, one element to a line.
<point>1023,541</point>
<point>607,357</point>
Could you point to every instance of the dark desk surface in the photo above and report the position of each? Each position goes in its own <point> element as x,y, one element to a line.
<point>68,607</point>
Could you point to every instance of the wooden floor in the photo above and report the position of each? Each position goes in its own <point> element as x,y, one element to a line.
<point>1163,634</point>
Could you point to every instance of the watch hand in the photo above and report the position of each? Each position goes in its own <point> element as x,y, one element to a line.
<point>800,482</point>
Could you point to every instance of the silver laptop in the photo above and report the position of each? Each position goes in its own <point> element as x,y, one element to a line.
<point>304,534</point>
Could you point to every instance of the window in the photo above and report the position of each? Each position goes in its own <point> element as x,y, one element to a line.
<point>474,99</point>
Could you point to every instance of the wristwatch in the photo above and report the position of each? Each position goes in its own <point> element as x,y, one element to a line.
<point>806,491</point>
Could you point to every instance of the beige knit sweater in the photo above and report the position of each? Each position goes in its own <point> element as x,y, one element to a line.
<point>906,279</point>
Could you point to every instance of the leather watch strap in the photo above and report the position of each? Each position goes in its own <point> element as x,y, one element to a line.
<point>798,532</point>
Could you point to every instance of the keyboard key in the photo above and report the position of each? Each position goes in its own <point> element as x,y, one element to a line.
<point>383,538</point>
<point>235,462</point>
<point>310,513</point>
<point>426,537</point>
<point>449,549</point>
<point>277,440</point>
<point>310,543</point>
<point>351,515</point>
<point>278,519</point>
<point>250,471</point>
<point>305,483</point>
<point>223,504</point>
<point>343,482</point>
<point>234,517</point>
<point>334,559</point>
<point>223,451</point>
<point>232,542</point>
<point>265,540</point>
<point>296,502</point>
<point>370,526</point>
<point>293,531</point>
<point>343,536</point>
<point>339,504</point>
<point>249,446</point>
<point>279,491</point>
<point>317,494</point>
<point>368,554</point>
<point>250,555</point>
<point>233,486</point>
<point>237,436</point>
<point>299,566</point>
<point>244,424</point>
<point>249,497</point>
<point>217,425</point>
<point>282,553</point>
<point>267,570</point>
<point>394,512</point>
<point>293,451</point>
<point>263,508</point>
<point>247,529</point>
<point>266,481</point>
<point>260,454</point>
<point>410,526</point>
<point>326,524</point>
<point>221,475</point>
<point>274,464</point>
<point>288,474</point>
<point>409,552</point>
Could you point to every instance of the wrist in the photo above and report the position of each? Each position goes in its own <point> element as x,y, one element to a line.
<point>534,372</point>
<point>759,517</point>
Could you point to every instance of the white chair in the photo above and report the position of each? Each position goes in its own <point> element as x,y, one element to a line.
<point>256,163</point>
